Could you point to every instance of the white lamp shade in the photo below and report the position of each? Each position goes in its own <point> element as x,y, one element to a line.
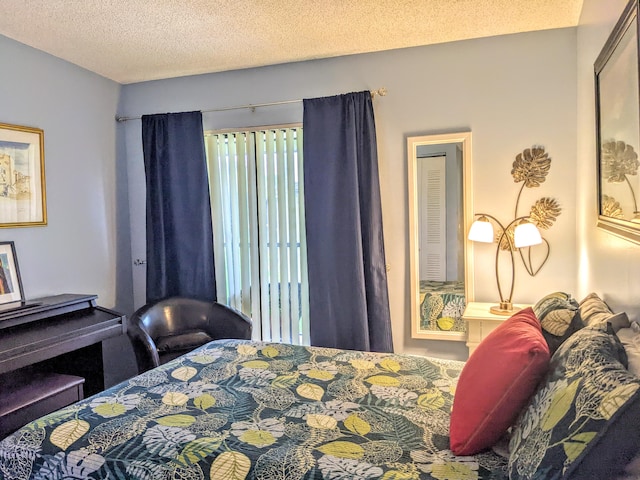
<point>526,235</point>
<point>481,231</point>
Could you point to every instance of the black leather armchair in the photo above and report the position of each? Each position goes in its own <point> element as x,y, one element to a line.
<point>166,329</point>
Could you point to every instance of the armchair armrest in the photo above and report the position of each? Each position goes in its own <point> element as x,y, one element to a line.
<point>144,348</point>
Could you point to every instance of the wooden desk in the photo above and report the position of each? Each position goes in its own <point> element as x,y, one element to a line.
<point>62,335</point>
<point>481,322</point>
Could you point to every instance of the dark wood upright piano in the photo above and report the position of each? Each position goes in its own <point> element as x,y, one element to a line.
<point>51,355</point>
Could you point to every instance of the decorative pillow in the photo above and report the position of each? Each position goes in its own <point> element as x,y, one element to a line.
<point>559,318</point>
<point>618,321</point>
<point>630,338</point>
<point>582,423</point>
<point>594,310</point>
<point>497,382</point>
<point>182,342</point>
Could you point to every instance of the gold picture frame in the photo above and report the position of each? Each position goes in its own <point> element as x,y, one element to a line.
<point>617,95</point>
<point>22,180</point>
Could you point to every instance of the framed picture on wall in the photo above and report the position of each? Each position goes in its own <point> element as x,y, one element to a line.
<point>22,184</point>
<point>11,293</point>
<point>618,128</point>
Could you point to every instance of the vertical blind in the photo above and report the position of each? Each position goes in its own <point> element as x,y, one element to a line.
<point>257,205</point>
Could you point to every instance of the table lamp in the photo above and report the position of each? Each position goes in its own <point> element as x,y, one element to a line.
<point>525,234</point>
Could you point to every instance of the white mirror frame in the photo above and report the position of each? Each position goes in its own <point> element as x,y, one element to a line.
<point>463,138</point>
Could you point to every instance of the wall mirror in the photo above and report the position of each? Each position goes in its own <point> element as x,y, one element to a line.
<point>440,207</point>
<point>618,128</point>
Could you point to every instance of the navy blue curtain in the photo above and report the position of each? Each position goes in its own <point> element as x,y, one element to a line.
<point>348,296</point>
<point>179,232</point>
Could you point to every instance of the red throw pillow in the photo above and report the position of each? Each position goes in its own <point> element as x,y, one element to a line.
<point>497,382</point>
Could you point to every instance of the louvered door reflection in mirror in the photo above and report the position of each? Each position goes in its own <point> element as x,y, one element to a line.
<point>439,169</point>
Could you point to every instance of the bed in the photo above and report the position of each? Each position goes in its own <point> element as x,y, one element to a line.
<point>239,409</point>
<point>442,305</point>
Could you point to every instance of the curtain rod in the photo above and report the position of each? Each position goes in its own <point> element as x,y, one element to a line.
<point>380,92</point>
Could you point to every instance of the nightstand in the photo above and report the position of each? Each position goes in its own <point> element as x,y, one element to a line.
<point>481,322</point>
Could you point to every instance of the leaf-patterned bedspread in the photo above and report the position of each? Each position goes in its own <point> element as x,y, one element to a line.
<point>238,409</point>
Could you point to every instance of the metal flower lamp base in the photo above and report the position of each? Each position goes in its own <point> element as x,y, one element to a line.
<point>505,308</point>
<point>525,234</point>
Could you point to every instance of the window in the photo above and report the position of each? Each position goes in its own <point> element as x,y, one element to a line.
<point>257,205</point>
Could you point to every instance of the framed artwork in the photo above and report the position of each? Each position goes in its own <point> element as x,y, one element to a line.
<point>22,184</point>
<point>11,292</point>
<point>617,97</point>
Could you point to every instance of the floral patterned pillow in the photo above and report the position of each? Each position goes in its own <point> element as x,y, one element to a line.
<point>582,421</point>
<point>559,318</point>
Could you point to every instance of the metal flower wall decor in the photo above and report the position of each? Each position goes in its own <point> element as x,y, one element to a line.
<point>531,168</point>
<point>618,161</point>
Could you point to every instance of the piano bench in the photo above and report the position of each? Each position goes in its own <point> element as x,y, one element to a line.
<point>27,398</point>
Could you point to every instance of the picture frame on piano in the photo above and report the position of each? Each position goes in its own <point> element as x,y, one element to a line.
<point>11,291</point>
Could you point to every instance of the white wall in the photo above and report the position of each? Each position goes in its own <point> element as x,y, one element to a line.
<point>81,249</point>
<point>608,265</point>
<point>512,92</point>
<point>76,251</point>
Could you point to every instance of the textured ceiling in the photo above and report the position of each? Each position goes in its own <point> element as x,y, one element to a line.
<point>136,40</point>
